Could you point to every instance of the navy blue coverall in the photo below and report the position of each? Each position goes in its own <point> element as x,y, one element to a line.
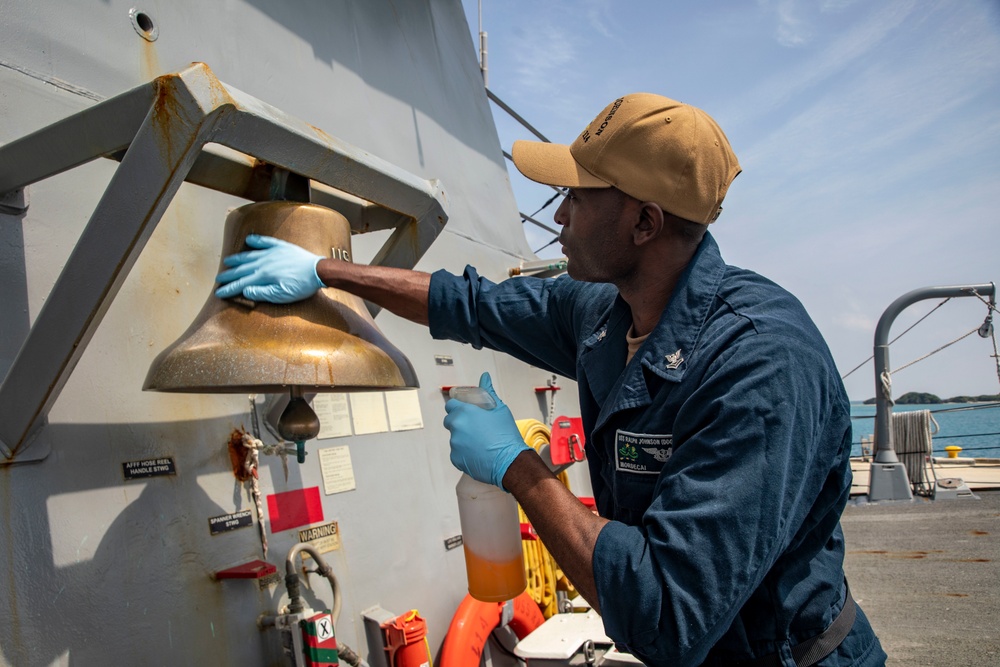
<point>719,453</point>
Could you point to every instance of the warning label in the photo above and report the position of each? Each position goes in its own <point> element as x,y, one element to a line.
<point>323,538</point>
<point>148,468</point>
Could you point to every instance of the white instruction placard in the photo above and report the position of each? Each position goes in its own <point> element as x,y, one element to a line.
<point>334,419</point>
<point>368,412</point>
<point>338,473</point>
<point>404,410</point>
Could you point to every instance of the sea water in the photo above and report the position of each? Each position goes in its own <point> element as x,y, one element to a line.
<point>975,427</point>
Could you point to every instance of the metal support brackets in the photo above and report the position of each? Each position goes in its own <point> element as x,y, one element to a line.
<point>888,480</point>
<point>163,128</point>
<point>14,202</point>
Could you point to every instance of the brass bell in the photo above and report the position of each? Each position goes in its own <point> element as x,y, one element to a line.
<point>328,342</point>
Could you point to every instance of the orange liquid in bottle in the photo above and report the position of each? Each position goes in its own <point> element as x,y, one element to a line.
<point>492,581</point>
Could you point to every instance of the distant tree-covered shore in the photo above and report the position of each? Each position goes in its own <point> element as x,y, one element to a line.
<point>923,398</point>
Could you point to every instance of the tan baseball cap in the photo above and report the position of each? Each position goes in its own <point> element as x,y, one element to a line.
<point>648,146</point>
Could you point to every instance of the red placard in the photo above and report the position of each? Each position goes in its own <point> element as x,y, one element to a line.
<point>292,509</point>
<point>255,569</point>
<point>566,444</point>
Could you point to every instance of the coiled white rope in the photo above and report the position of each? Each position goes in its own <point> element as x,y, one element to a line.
<point>912,437</point>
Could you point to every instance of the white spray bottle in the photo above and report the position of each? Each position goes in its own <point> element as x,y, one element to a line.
<point>491,530</point>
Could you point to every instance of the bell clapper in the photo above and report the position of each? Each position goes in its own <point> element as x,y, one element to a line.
<point>298,423</point>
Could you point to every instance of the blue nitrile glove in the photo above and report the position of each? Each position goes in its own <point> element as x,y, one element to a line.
<point>277,271</point>
<point>483,442</point>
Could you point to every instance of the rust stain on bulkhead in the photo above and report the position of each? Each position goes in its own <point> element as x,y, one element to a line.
<point>170,115</point>
<point>238,452</point>
<point>149,61</point>
<point>322,135</point>
<point>220,97</point>
<point>165,108</point>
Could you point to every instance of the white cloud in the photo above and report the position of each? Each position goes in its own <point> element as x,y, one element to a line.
<point>554,72</point>
<point>792,30</point>
<point>882,131</point>
<point>543,52</point>
<point>833,6</point>
<point>855,322</point>
<point>789,83</point>
<point>601,16</point>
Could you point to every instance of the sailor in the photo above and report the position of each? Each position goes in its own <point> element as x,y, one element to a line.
<point>717,427</point>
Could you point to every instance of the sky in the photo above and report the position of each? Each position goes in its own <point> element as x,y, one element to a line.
<point>868,132</point>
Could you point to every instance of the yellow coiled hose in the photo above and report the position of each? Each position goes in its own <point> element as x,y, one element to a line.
<point>544,575</point>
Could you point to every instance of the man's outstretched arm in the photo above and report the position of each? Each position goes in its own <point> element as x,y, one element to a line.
<point>277,271</point>
<point>400,291</point>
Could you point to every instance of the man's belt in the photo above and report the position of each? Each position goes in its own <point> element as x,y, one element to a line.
<point>816,648</point>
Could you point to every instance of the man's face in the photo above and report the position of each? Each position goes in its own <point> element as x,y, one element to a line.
<point>596,234</point>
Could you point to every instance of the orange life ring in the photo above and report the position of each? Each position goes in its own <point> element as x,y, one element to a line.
<point>474,621</point>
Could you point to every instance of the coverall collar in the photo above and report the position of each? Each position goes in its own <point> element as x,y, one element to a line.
<point>665,356</point>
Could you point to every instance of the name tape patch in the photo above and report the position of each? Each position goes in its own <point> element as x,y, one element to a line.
<point>642,453</point>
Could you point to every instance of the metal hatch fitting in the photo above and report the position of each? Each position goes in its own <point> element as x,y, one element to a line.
<point>159,132</point>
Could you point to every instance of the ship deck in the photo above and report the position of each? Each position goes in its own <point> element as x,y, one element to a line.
<point>979,474</point>
<point>927,574</point>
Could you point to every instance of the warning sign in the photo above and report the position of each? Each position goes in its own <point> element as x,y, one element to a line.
<point>321,538</point>
<point>148,468</point>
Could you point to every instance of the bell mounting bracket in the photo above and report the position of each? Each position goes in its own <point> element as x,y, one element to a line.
<point>163,133</point>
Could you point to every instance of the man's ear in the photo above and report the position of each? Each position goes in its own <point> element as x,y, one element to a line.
<point>649,223</point>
